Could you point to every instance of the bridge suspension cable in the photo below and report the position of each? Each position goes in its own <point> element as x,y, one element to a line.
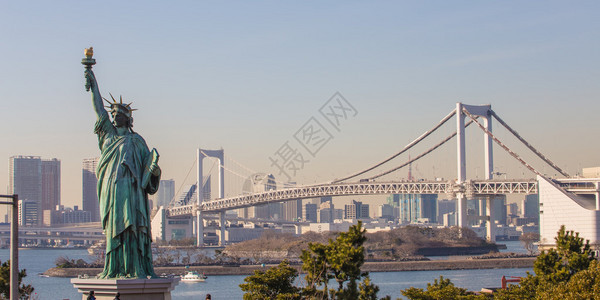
<point>512,153</point>
<point>539,154</point>
<point>419,156</point>
<point>244,177</point>
<point>172,202</point>
<point>406,148</point>
<point>198,189</point>
<point>241,165</point>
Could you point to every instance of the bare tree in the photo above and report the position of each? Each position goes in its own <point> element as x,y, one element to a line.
<point>528,239</point>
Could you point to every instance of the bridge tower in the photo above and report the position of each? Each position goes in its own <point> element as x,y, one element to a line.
<point>200,155</point>
<point>482,111</point>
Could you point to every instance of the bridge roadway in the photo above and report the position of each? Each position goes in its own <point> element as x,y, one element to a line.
<point>471,188</point>
<point>73,232</point>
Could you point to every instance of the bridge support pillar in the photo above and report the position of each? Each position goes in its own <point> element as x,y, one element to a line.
<point>199,229</point>
<point>482,210</point>
<point>461,202</point>
<point>597,194</point>
<point>222,223</point>
<point>490,226</point>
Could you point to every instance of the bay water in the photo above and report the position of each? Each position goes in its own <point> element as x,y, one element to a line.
<point>36,261</point>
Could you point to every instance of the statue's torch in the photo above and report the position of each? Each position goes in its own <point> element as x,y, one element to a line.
<point>88,62</point>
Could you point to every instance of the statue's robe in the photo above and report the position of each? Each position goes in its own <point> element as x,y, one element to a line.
<point>124,182</point>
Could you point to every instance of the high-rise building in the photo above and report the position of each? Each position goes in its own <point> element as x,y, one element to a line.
<point>166,192</point>
<point>356,210</point>
<point>309,212</point>
<point>89,188</point>
<point>531,206</point>
<point>25,180</point>
<point>291,210</point>
<point>258,183</point>
<point>325,212</point>
<point>415,208</point>
<point>50,187</point>
<point>499,209</point>
<point>446,207</point>
<point>25,177</point>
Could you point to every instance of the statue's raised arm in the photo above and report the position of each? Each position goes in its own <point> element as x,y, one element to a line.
<point>91,83</point>
<point>96,97</point>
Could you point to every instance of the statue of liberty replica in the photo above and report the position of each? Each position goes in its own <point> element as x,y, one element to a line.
<point>127,172</point>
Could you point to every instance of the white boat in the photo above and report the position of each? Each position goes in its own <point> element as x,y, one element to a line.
<point>193,276</point>
<point>97,249</point>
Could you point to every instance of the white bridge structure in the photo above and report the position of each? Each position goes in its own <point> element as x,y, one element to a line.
<point>574,202</point>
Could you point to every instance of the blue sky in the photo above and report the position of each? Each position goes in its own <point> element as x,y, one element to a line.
<point>246,76</point>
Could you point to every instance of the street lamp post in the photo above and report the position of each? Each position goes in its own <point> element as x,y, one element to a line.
<point>14,245</point>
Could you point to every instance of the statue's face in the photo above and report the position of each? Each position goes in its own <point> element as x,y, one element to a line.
<point>121,120</point>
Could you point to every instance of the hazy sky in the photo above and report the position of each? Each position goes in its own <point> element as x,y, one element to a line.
<point>246,76</point>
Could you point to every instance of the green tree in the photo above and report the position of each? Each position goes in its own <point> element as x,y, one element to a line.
<point>274,283</point>
<point>440,289</point>
<point>24,290</point>
<point>554,269</point>
<point>314,263</point>
<point>341,260</point>
<point>367,290</point>
<point>583,285</point>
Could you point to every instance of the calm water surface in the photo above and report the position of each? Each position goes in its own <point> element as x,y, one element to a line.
<point>226,287</point>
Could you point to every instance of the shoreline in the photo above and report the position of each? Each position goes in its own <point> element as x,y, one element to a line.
<point>391,266</point>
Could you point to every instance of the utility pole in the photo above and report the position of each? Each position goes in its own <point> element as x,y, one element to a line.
<point>14,245</point>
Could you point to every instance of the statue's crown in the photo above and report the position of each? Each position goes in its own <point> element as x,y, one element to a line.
<point>119,107</point>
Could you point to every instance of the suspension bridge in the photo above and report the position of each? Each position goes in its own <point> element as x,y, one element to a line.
<point>583,191</point>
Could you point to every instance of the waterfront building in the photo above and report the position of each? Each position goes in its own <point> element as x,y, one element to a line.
<point>75,215</point>
<point>29,213</point>
<point>240,234</point>
<point>577,212</point>
<point>166,192</point>
<point>89,188</point>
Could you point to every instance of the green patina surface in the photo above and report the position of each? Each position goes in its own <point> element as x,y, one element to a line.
<point>127,172</point>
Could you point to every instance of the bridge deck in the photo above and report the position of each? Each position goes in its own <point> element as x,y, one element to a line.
<point>471,188</point>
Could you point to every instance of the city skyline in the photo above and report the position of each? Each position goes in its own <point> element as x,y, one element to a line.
<point>246,77</point>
